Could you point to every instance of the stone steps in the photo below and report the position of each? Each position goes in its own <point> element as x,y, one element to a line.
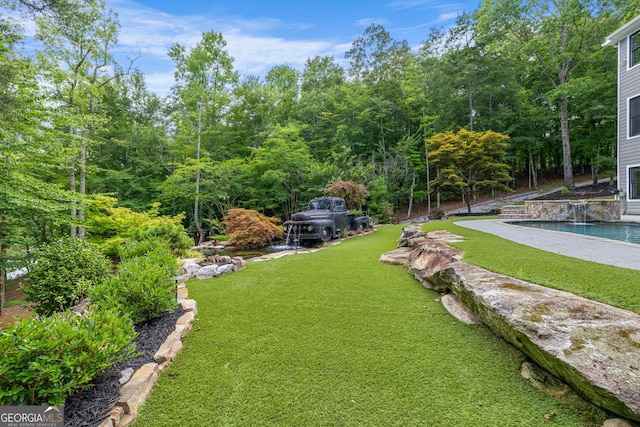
<point>513,212</point>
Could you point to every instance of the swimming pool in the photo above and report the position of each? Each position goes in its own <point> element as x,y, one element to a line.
<point>623,231</point>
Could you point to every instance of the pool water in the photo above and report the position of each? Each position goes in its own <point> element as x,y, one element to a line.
<point>623,231</point>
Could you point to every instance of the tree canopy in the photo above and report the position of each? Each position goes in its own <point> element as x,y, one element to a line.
<point>512,92</point>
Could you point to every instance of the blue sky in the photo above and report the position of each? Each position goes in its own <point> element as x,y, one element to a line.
<point>262,34</point>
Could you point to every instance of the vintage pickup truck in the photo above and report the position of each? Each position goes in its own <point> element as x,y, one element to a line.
<point>324,219</point>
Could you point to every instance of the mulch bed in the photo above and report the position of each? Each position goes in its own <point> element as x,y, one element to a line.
<point>92,406</point>
<point>602,189</point>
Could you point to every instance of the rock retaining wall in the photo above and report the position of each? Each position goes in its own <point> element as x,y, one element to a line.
<point>574,210</point>
<point>593,347</point>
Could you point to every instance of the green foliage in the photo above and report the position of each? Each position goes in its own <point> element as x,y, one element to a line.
<point>110,226</point>
<point>168,232</point>
<point>379,206</point>
<point>32,203</point>
<point>64,271</point>
<point>143,287</point>
<point>45,359</point>
<point>469,162</point>
<point>564,192</point>
<point>248,229</point>
<point>354,194</point>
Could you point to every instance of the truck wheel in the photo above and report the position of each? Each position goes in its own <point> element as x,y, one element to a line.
<point>326,234</point>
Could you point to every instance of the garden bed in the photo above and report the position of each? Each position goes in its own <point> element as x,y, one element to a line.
<point>92,406</point>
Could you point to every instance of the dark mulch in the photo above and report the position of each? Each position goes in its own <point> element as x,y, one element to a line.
<point>602,189</point>
<point>90,407</point>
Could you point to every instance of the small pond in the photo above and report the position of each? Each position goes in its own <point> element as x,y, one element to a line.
<point>623,231</point>
<point>248,253</point>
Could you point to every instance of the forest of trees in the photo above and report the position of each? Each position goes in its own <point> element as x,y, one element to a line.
<point>75,124</point>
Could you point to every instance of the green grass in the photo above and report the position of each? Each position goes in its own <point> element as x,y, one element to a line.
<point>611,285</point>
<point>336,338</point>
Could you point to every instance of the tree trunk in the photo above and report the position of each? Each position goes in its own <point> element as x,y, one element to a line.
<point>3,269</point>
<point>413,184</point>
<point>466,195</point>
<point>3,281</point>
<point>196,206</point>
<point>83,186</point>
<point>72,188</point>
<point>470,86</point>
<point>532,170</point>
<point>566,146</point>
<point>428,184</point>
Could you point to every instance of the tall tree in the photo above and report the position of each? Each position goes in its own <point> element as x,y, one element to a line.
<point>561,35</point>
<point>204,79</point>
<point>132,162</point>
<point>76,62</point>
<point>380,63</point>
<point>30,151</point>
<point>281,83</point>
<point>321,78</point>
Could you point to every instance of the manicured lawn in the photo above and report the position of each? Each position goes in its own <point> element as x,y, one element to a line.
<point>335,338</point>
<point>608,284</point>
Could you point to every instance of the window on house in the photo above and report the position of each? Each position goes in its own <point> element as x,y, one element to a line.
<point>634,182</point>
<point>634,116</point>
<point>634,49</point>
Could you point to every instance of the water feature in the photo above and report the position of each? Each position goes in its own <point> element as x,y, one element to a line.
<point>579,213</point>
<point>249,253</point>
<point>622,231</point>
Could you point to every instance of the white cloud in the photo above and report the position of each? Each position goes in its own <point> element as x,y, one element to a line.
<point>151,33</point>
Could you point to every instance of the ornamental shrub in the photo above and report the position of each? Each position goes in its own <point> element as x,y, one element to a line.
<point>64,271</point>
<point>354,194</point>
<point>173,234</point>
<point>143,288</point>
<point>45,359</point>
<point>248,229</point>
<point>109,226</point>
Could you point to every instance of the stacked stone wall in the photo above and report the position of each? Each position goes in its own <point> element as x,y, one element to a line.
<point>574,210</point>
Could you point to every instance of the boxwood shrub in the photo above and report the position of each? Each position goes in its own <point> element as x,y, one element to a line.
<point>64,271</point>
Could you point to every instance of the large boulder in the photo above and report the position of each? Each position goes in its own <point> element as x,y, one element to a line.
<point>429,258</point>
<point>409,235</point>
<point>213,270</point>
<point>591,346</point>
<point>398,256</point>
<point>213,266</point>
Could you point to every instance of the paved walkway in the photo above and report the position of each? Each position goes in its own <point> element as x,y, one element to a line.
<point>604,251</point>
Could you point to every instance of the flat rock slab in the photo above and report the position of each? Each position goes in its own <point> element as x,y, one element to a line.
<point>459,310</point>
<point>593,347</point>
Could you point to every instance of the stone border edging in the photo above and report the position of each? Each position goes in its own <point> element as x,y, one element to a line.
<point>135,391</point>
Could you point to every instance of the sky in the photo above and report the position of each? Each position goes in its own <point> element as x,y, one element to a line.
<point>263,34</point>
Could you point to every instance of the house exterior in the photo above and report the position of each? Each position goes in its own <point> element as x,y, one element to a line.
<point>627,39</point>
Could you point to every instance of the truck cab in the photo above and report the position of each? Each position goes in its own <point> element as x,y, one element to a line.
<point>324,219</point>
